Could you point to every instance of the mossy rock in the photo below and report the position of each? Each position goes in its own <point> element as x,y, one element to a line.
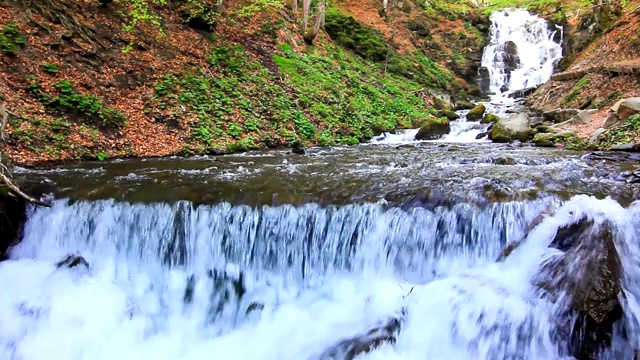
<point>463,105</point>
<point>476,113</point>
<point>550,139</point>
<point>449,114</point>
<point>500,134</point>
<point>490,118</point>
<point>434,128</point>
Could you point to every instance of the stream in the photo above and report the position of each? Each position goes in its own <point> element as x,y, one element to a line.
<point>271,255</point>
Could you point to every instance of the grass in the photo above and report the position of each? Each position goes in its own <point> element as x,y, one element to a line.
<point>626,132</point>
<point>11,41</point>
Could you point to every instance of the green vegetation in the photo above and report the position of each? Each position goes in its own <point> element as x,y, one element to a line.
<point>239,105</point>
<point>50,68</point>
<point>11,40</point>
<point>626,132</point>
<point>576,90</point>
<point>69,101</point>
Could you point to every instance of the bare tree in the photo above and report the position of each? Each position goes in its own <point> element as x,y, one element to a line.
<point>318,22</point>
<point>306,7</point>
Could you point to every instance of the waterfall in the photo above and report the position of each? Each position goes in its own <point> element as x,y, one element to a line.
<point>522,52</point>
<point>175,281</point>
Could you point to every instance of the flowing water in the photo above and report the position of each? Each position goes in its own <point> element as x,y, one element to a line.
<point>269,255</point>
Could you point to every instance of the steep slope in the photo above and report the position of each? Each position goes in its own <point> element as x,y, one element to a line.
<point>82,82</point>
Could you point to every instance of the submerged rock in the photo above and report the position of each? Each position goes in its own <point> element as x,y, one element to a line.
<point>351,348</point>
<point>71,261</point>
<point>449,114</point>
<point>476,113</point>
<point>434,129</point>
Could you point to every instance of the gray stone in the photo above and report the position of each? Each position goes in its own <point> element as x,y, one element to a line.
<point>629,107</point>
<point>583,117</point>
<point>560,115</point>
<point>596,135</point>
<point>612,120</point>
<point>515,127</point>
<point>616,106</point>
<point>626,147</point>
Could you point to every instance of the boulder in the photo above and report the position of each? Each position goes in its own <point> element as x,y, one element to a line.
<point>583,117</point>
<point>434,128</point>
<point>463,105</point>
<point>616,106</point>
<point>476,113</point>
<point>596,135</point>
<point>550,139</point>
<point>482,135</point>
<point>612,120</point>
<point>560,115</point>
<point>626,147</point>
<point>585,279</point>
<point>449,114</point>
<point>511,59</point>
<point>489,119</point>
<point>515,127</point>
<point>537,121</point>
<point>629,107</point>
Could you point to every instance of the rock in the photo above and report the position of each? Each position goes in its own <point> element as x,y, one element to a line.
<point>463,105</point>
<point>514,127</point>
<point>616,106</point>
<point>71,261</point>
<point>537,121</point>
<point>596,135</point>
<point>433,129</point>
<point>449,114</point>
<point>297,148</point>
<point>586,280</point>
<point>550,139</point>
<point>522,93</point>
<point>545,129</point>
<point>560,115</point>
<point>254,306</point>
<point>476,113</point>
<point>482,135</point>
<point>583,117</point>
<point>484,81</point>
<point>351,348</point>
<point>626,147</point>
<point>490,118</point>
<point>628,107</point>
<point>612,120</point>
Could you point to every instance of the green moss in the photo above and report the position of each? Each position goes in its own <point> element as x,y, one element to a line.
<point>434,128</point>
<point>499,134</point>
<point>626,132</point>
<point>476,113</point>
<point>490,118</point>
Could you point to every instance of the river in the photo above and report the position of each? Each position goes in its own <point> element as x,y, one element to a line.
<point>270,255</point>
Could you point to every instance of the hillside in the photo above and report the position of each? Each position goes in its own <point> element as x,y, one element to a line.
<point>84,79</point>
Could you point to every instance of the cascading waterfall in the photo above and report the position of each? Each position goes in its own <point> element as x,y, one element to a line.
<point>175,281</point>
<point>522,52</point>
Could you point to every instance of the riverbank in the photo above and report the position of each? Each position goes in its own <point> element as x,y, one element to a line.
<point>98,87</point>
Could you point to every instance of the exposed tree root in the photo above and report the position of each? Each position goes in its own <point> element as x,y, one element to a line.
<point>5,174</point>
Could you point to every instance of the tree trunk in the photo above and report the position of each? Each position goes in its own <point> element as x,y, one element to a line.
<point>318,23</point>
<point>294,7</point>
<point>306,6</point>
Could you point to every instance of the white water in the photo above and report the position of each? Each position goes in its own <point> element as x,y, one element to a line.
<point>324,274</point>
<point>538,54</point>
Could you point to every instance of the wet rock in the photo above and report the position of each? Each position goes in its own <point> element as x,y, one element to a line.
<point>512,60</point>
<point>617,157</point>
<point>71,261</point>
<point>476,113</point>
<point>522,93</point>
<point>628,107</point>
<point>351,348</point>
<point>550,139</point>
<point>484,81</point>
<point>490,118</point>
<point>586,280</point>
<point>537,121</point>
<point>254,306</point>
<point>560,115</point>
<point>434,129</point>
<point>13,214</point>
<point>515,127</point>
<point>297,149</point>
<point>482,135</point>
<point>449,114</point>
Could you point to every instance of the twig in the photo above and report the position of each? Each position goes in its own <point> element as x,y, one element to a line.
<point>19,192</point>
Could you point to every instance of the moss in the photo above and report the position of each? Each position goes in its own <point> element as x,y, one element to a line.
<point>449,114</point>
<point>434,128</point>
<point>499,134</point>
<point>476,113</point>
<point>490,118</point>
<point>551,139</point>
